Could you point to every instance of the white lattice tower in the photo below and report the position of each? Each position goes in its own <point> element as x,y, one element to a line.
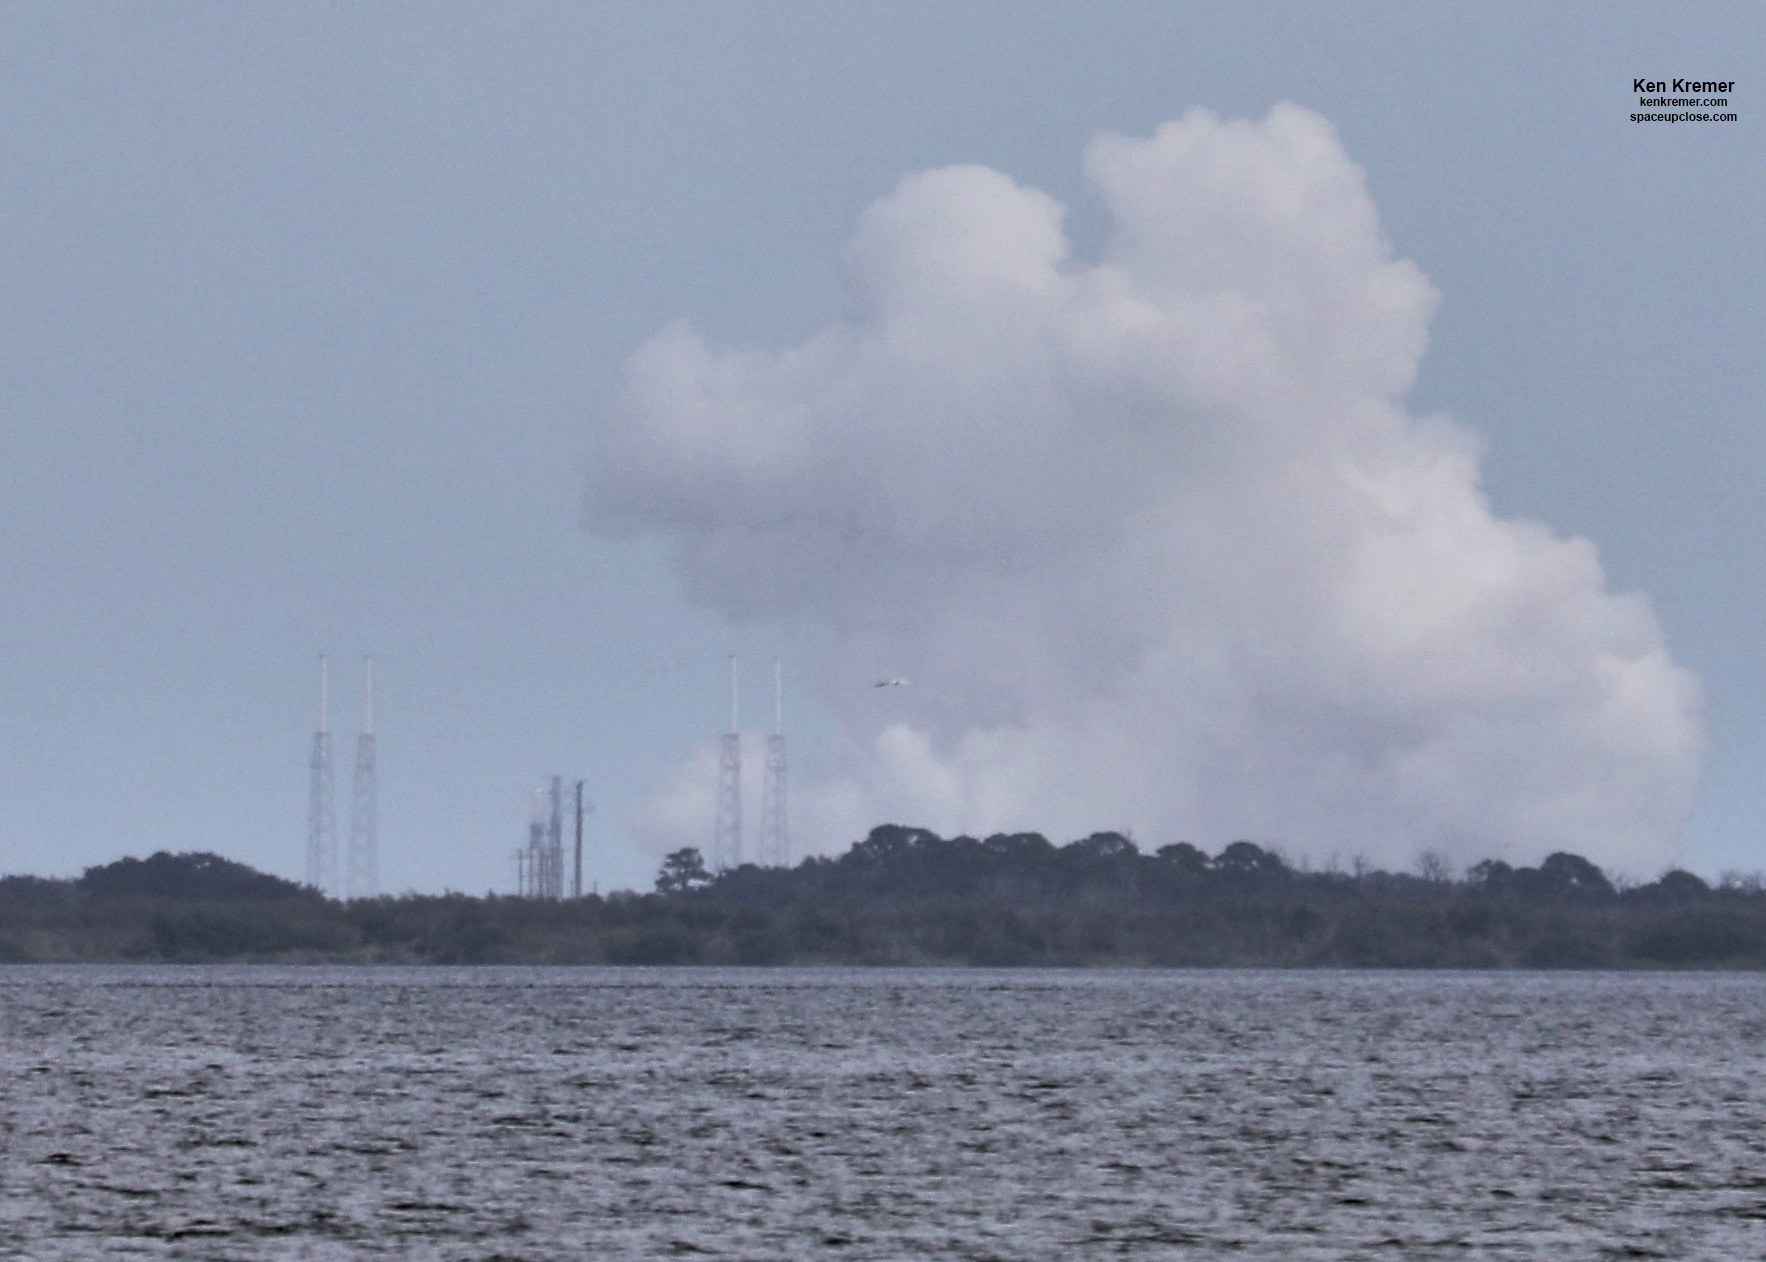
<point>552,862</point>
<point>321,808</point>
<point>726,846</point>
<point>775,830</point>
<point>364,851</point>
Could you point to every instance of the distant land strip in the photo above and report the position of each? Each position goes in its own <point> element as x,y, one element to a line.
<point>906,896</point>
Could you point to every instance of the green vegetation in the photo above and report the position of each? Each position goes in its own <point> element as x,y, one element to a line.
<point>907,896</point>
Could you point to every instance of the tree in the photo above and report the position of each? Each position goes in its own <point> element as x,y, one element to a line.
<point>1183,857</point>
<point>1102,846</point>
<point>1434,867</point>
<point>1248,859</point>
<point>682,872</point>
<point>1680,883</point>
<point>1020,848</point>
<point>890,842</point>
<point>1491,876</point>
<point>194,876</point>
<point>1571,874</point>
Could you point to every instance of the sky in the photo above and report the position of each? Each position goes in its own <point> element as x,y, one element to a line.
<point>552,353</point>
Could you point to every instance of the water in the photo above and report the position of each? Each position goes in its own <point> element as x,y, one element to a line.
<point>339,1113</point>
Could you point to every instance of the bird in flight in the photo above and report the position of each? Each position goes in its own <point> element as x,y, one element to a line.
<point>889,683</point>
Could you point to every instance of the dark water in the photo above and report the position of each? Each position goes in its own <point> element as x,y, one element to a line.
<point>334,1113</point>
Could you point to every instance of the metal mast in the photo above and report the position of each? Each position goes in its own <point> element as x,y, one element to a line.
<point>321,811</point>
<point>364,853</point>
<point>775,832</point>
<point>726,847</point>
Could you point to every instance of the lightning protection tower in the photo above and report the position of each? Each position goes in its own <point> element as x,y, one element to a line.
<point>726,847</point>
<point>775,833</point>
<point>321,810</point>
<point>364,852</point>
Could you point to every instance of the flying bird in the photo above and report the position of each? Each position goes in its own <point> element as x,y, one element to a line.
<point>889,683</point>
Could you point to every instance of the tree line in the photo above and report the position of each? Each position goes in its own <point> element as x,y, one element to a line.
<point>896,865</point>
<point>906,896</point>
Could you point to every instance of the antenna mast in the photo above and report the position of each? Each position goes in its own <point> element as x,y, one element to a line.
<point>321,809</point>
<point>364,852</point>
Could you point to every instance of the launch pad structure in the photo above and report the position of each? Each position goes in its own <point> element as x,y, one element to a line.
<point>773,844</point>
<point>363,861</point>
<point>539,865</point>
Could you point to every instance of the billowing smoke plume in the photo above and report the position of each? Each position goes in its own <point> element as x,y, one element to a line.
<point>1153,538</point>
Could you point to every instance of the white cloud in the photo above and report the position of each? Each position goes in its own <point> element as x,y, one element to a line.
<point>1153,535</point>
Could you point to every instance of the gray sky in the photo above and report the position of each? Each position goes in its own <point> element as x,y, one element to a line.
<point>308,316</point>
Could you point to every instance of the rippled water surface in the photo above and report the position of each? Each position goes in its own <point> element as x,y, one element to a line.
<point>339,1113</point>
